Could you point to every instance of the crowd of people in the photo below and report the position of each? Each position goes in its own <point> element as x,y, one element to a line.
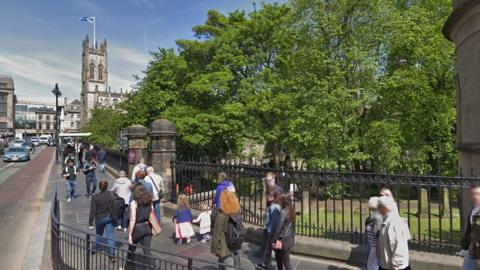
<point>138,199</point>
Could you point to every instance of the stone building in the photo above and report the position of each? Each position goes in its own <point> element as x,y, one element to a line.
<point>95,92</point>
<point>45,122</point>
<point>71,118</point>
<point>7,106</point>
<point>463,28</point>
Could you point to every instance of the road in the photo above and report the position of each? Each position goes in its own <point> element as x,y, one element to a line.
<point>22,187</point>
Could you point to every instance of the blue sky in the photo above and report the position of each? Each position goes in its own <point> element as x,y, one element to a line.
<point>40,40</point>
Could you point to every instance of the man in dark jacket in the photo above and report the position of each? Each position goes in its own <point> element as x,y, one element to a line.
<point>90,177</point>
<point>101,160</point>
<point>469,261</point>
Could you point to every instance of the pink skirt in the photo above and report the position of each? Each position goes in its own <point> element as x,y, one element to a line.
<point>184,230</point>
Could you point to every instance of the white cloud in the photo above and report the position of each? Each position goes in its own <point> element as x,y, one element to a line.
<point>128,55</point>
<point>88,4</point>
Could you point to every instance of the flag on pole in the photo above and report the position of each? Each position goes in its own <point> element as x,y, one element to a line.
<point>88,19</point>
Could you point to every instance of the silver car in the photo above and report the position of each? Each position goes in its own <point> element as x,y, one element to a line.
<point>16,154</point>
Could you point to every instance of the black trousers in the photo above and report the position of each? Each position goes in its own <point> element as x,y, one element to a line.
<point>282,257</point>
<point>406,268</point>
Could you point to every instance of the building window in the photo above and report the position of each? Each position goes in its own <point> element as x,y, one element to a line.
<point>3,85</point>
<point>96,88</point>
<point>3,125</point>
<point>72,124</point>
<point>100,72</point>
<point>40,117</point>
<point>92,71</point>
<point>48,117</point>
<point>3,104</point>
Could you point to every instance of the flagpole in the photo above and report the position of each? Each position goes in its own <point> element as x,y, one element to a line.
<point>94,34</point>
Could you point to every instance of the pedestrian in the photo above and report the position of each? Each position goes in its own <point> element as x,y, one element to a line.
<point>90,177</point>
<point>140,180</point>
<point>91,153</point>
<point>393,237</point>
<point>183,220</point>
<point>471,238</point>
<point>386,192</point>
<point>101,159</point>
<point>122,187</point>
<point>372,227</point>
<point>223,184</point>
<point>139,228</point>
<point>204,220</point>
<point>100,213</point>
<point>139,167</point>
<point>283,237</point>
<point>271,188</point>
<point>158,188</point>
<point>273,212</point>
<point>229,209</point>
<point>81,155</point>
<point>70,173</point>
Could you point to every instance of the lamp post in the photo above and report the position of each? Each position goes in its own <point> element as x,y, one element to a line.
<point>57,93</point>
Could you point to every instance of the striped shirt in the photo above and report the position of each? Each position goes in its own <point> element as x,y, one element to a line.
<point>371,235</point>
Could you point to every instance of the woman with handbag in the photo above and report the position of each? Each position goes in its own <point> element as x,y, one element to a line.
<point>283,237</point>
<point>141,228</point>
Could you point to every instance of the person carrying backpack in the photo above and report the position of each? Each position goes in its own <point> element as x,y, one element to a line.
<point>471,239</point>
<point>228,231</point>
<point>70,173</point>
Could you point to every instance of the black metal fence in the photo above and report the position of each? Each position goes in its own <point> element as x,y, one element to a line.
<point>117,160</point>
<point>72,248</point>
<point>334,205</point>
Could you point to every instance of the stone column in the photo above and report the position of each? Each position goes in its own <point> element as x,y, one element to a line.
<point>162,152</point>
<point>137,145</point>
<point>463,28</point>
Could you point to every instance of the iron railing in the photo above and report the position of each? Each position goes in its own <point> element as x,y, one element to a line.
<point>334,205</point>
<point>116,160</point>
<point>71,248</point>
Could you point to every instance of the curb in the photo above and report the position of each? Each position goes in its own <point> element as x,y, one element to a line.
<point>341,250</point>
<point>34,255</point>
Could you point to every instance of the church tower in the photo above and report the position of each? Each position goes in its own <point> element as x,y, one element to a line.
<point>94,77</point>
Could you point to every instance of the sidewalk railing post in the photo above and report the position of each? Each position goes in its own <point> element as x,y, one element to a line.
<point>190,264</point>
<point>87,252</point>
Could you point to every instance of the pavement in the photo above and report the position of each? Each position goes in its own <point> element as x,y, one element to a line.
<point>76,213</point>
<point>22,187</point>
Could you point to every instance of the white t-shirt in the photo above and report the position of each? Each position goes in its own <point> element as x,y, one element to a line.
<point>205,222</point>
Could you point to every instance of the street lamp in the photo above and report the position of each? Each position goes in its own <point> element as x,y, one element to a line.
<point>57,93</point>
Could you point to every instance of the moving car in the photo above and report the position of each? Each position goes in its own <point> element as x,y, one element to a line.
<point>44,139</point>
<point>16,154</point>
<point>51,142</point>
<point>18,142</point>
<point>35,141</point>
<point>27,145</point>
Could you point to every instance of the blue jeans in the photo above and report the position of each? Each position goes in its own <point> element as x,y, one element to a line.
<point>70,188</point>
<point>104,225</point>
<point>91,182</point>
<point>156,209</point>
<point>470,264</point>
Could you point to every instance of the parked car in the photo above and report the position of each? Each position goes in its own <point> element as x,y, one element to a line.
<point>16,154</point>
<point>18,142</point>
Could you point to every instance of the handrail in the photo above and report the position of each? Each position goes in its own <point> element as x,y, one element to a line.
<point>163,254</point>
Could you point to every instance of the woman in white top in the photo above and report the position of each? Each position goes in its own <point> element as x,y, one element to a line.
<point>122,187</point>
<point>393,237</point>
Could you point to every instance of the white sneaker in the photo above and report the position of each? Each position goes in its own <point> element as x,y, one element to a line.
<point>69,199</point>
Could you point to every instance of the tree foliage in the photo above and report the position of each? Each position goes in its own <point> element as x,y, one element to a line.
<point>358,84</point>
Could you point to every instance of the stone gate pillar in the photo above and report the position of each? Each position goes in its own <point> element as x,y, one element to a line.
<point>162,151</point>
<point>463,28</point>
<point>137,145</point>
